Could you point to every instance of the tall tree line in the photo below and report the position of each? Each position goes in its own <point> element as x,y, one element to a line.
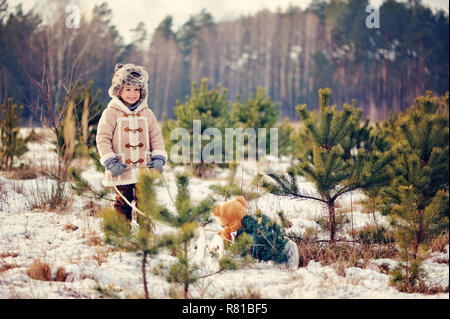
<point>290,53</point>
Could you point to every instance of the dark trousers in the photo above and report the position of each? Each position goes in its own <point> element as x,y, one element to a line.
<point>120,205</point>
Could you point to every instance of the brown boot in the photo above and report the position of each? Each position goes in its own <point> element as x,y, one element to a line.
<point>120,205</point>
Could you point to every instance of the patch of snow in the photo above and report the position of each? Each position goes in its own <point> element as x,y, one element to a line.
<point>28,235</point>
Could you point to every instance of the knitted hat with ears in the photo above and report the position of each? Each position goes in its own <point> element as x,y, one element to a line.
<point>129,74</point>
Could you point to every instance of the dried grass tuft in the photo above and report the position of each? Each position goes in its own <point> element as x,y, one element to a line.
<point>40,271</point>
<point>61,274</point>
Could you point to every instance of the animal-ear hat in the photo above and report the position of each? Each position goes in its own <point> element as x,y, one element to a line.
<point>129,74</point>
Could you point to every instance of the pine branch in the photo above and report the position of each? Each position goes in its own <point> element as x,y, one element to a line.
<point>285,190</point>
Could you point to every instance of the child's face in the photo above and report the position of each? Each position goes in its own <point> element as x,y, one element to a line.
<point>130,94</point>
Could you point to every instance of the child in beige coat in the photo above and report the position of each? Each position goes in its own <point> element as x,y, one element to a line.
<point>128,134</point>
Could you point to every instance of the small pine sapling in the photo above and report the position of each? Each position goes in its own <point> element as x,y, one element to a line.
<point>419,195</point>
<point>144,243</point>
<point>211,108</point>
<point>11,144</point>
<point>256,113</point>
<point>186,220</point>
<point>333,170</point>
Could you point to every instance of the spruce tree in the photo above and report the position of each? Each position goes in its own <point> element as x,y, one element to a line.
<point>333,171</point>
<point>12,145</point>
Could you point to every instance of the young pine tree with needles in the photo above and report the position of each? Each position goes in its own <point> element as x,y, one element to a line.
<point>11,144</point>
<point>333,169</point>
<point>419,194</point>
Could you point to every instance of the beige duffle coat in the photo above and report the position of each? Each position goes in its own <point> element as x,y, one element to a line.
<point>133,137</point>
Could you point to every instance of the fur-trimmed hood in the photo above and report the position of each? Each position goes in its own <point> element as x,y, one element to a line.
<point>129,74</point>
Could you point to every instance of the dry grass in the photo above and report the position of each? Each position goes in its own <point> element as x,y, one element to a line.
<point>343,255</point>
<point>436,290</point>
<point>250,293</point>
<point>91,207</point>
<point>111,292</point>
<point>61,274</point>
<point>101,255</point>
<point>371,234</point>
<point>2,190</point>
<point>70,227</point>
<point>93,240</point>
<point>439,243</point>
<point>40,271</point>
<point>5,266</point>
<point>17,186</point>
<point>47,196</point>
<point>340,265</point>
<point>407,286</point>
<point>48,167</point>
<point>384,268</point>
<point>203,286</point>
<point>23,172</point>
<point>441,260</point>
<point>8,254</point>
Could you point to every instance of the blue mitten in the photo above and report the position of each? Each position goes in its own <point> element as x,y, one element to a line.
<point>114,166</point>
<point>157,162</point>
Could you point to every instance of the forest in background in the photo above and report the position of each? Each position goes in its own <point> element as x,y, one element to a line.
<point>291,54</point>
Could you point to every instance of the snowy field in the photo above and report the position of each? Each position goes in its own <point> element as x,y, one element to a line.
<point>72,240</point>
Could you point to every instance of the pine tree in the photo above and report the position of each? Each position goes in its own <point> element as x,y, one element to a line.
<point>12,145</point>
<point>186,220</point>
<point>419,195</point>
<point>211,108</point>
<point>144,243</point>
<point>333,171</point>
<point>256,112</point>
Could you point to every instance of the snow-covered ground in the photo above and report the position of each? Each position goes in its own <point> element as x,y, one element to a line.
<point>72,239</point>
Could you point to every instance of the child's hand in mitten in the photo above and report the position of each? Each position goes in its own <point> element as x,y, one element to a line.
<point>157,162</point>
<point>115,167</point>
